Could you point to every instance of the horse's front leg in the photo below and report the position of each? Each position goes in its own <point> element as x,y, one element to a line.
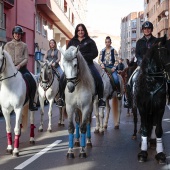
<point>41,100</point>
<point>61,118</point>
<point>77,136</point>
<point>101,115</point>
<point>160,156</point>
<point>8,130</point>
<point>50,115</point>
<point>107,114</point>
<point>88,142</point>
<point>96,111</point>
<point>17,130</point>
<point>32,127</point>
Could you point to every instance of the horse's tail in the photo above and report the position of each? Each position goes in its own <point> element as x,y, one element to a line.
<point>116,110</point>
<point>25,117</point>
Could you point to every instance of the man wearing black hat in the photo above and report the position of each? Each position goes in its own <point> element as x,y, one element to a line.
<point>142,46</point>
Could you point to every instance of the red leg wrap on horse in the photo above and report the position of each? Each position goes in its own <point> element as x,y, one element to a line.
<point>32,127</point>
<point>21,126</point>
<point>16,142</point>
<point>9,138</point>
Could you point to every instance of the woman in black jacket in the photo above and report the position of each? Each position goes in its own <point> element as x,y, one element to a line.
<point>89,51</point>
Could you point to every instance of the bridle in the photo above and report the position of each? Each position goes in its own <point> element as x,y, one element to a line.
<point>75,80</point>
<point>2,69</point>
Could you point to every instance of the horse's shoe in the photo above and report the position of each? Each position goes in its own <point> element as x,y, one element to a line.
<point>105,126</point>
<point>142,156</point>
<point>77,144</point>
<point>61,125</point>
<point>161,158</point>
<point>49,130</point>
<point>96,131</point>
<point>15,154</point>
<point>116,127</point>
<point>9,151</point>
<point>32,142</point>
<point>82,155</point>
<point>40,130</point>
<point>152,143</point>
<point>89,145</point>
<point>101,132</point>
<point>70,155</point>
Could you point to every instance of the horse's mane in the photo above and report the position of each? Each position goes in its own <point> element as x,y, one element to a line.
<point>84,72</point>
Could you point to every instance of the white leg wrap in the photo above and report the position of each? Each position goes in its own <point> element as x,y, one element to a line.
<point>144,144</point>
<point>153,135</point>
<point>159,146</point>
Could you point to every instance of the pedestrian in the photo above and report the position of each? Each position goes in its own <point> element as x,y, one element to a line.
<point>89,51</point>
<point>54,55</point>
<point>107,61</point>
<point>19,52</point>
<point>142,45</point>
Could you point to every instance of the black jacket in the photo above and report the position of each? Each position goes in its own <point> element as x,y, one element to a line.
<point>88,48</point>
<point>142,46</point>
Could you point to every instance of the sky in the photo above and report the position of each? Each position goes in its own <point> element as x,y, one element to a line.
<point>105,15</point>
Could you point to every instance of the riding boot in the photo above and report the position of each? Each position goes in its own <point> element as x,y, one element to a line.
<point>62,84</point>
<point>119,95</point>
<point>127,103</point>
<point>99,88</point>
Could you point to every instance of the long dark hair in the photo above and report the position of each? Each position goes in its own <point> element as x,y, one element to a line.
<point>54,43</point>
<point>84,28</point>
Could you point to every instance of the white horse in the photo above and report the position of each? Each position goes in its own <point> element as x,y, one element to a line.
<point>48,88</point>
<point>13,95</point>
<point>79,94</point>
<point>109,93</point>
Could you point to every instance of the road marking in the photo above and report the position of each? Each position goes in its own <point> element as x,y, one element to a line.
<point>37,155</point>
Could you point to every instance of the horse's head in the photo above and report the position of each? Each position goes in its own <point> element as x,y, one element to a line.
<point>46,72</point>
<point>71,66</point>
<point>163,51</point>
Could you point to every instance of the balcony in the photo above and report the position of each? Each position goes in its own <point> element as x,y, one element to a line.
<point>163,7</point>
<point>55,11</point>
<point>8,3</point>
<point>162,25</point>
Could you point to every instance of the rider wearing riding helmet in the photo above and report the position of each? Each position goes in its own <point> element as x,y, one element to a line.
<point>142,45</point>
<point>19,52</point>
<point>89,51</point>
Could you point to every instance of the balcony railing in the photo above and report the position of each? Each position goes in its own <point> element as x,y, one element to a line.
<point>162,25</point>
<point>163,6</point>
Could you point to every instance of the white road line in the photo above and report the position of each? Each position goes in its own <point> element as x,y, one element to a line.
<point>37,155</point>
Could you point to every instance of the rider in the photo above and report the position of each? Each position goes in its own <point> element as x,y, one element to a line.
<point>142,46</point>
<point>120,66</point>
<point>54,54</point>
<point>107,60</point>
<point>89,51</point>
<point>19,53</point>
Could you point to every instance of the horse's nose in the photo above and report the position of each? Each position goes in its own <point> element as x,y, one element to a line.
<point>70,87</point>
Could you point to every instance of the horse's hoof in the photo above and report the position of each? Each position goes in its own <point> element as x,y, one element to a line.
<point>9,151</point>
<point>161,158</point>
<point>62,125</point>
<point>105,126</point>
<point>134,137</point>
<point>89,145</point>
<point>96,131</point>
<point>82,155</point>
<point>15,154</point>
<point>116,127</point>
<point>101,132</point>
<point>40,130</point>
<point>152,143</point>
<point>70,155</point>
<point>49,131</point>
<point>77,144</point>
<point>32,142</point>
<point>142,156</point>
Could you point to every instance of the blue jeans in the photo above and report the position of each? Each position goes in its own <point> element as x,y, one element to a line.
<point>115,77</point>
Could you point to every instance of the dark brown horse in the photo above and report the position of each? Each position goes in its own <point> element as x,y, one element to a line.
<point>126,73</point>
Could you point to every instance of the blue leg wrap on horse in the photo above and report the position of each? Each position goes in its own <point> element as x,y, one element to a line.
<point>83,140</point>
<point>71,139</point>
<point>88,131</point>
<point>77,131</point>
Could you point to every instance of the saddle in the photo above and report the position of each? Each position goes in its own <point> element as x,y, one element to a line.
<point>109,73</point>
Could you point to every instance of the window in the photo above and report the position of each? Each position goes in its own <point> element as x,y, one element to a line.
<point>2,16</point>
<point>44,27</point>
<point>39,23</point>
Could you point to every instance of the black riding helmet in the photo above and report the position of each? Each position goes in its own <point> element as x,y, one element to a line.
<point>17,29</point>
<point>147,24</point>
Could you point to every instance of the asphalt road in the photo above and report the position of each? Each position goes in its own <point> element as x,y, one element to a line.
<point>115,150</point>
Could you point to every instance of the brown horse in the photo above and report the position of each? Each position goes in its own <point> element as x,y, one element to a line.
<point>126,73</point>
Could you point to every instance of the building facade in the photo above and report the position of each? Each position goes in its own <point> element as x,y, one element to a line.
<point>41,21</point>
<point>157,12</point>
<point>130,32</point>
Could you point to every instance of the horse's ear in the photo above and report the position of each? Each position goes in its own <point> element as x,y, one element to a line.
<point>78,47</point>
<point>61,50</point>
<point>127,61</point>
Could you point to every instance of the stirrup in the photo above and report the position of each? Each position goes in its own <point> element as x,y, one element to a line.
<point>101,103</point>
<point>119,95</point>
<point>60,102</point>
